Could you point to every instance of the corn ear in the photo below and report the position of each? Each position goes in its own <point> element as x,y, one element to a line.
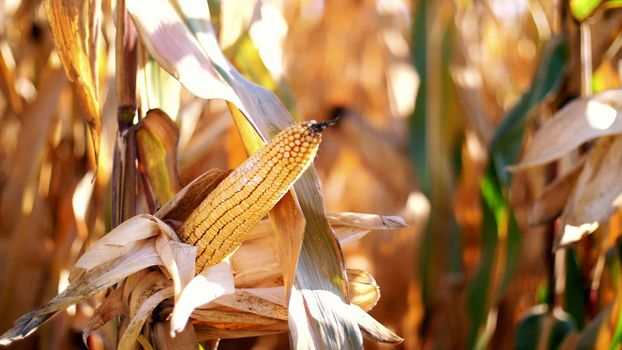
<point>222,220</point>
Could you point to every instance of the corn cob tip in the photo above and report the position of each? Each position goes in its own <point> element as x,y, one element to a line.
<point>318,127</point>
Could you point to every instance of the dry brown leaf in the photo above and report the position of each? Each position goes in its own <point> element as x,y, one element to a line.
<point>244,301</point>
<point>580,121</point>
<point>233,317</point>
<point>75,26</point>
<point>555,196</point>
<point>596,193</point>
<point>207,332</point>
<point>186,339</point>
<point>128,339</point>
<point>109,308</point>
<point>183,203</point>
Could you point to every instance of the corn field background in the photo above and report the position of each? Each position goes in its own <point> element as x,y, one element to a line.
<point>468,197</point>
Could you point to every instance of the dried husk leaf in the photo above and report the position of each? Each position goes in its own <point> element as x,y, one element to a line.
<point>186,339</point>
<point>580,121</point>
<point>116,243</point>
<point>210,284</point>
<point>109,308</point>
<point>211,316</point>
<point>88,284</point>
<point>372,328</point>
<point>128,339</point>
<point>183,203</point>
<point>207,332</point>
<point>289,226</point>
<point>75,30</point>
<point>178,260</point>
<point>243,300</point>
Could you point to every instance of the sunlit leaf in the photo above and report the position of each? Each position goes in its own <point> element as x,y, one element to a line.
<point>156,139</point>
<point>596,194</point>
<point>195,41</point>
<point>581,9</point>
<point>159,89</point>
<point>75,29</point>
<point>580,121</point>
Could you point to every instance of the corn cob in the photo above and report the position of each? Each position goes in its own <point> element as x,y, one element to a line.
<point>219,224</point>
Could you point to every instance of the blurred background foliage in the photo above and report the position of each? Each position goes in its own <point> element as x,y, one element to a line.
<point>438,98</point>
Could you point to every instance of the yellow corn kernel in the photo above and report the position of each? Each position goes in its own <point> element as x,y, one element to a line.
<point>222,220</point>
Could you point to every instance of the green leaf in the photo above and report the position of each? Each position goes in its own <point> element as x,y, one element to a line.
<point>418,129</point>
<point>575,286</point>
<point>542,327</point>
<point>506,142</point>
<point>501,236</point>
<point>581,9</point>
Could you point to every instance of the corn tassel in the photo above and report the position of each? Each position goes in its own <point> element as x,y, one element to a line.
<point>219,224</point>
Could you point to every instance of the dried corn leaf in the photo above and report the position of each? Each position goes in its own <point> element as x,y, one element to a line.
<point>555,196</point>
<point>372,328</point>
<point>210,284</point>
<point>75,29</point>
<point>116,243</point>
<point>109,308</point>
<point>172,44</point>
<point>597,192</point>
<point>243,300</point>
<point>205,332</point>
<point>126,250</point>
<point>350,227</point>
<point>580,121</point>
<point>364,292</point>
<point>88,284</point>
<point>129,337</point>
<point>233,317</point>
<point>186,339</point>
<point>156,138</point>
<point>178,260</point>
